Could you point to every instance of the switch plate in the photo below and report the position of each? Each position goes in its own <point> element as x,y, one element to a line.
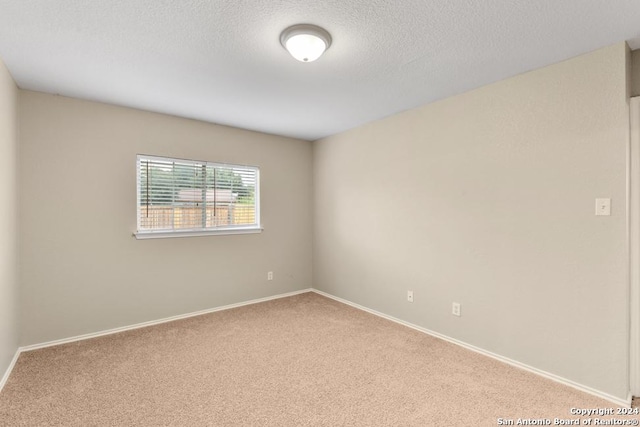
<point>603,207</point>
<point>410,296</point>
<point>270,275</point>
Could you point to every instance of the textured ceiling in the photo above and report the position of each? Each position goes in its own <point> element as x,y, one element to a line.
<point>222,62</point>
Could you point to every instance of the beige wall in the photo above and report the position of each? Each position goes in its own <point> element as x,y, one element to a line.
<point>635,73</point>
<point>487,199</point>
<point>83,272</point>
<point>8,219</point>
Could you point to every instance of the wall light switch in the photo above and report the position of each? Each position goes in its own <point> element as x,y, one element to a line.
<point>603,207</point>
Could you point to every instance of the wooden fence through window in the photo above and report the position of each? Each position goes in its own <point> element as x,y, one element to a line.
<point>169,217</point>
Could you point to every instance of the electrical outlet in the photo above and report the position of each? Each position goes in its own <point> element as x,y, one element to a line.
<point>455,309</point>
<point>270,275</point>
<point>410,296</point>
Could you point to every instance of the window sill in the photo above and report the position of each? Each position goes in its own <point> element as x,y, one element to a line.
<point>194,233</point>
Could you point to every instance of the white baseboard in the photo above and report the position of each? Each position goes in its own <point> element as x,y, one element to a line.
<point>553,377</point>
<point>20,350</point>
<point>156,322</point>
<point>5,377</point>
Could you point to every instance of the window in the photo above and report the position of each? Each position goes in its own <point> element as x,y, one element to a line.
<point>187,197</point>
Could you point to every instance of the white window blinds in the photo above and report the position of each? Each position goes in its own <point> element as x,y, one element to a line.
<point>176,195</point>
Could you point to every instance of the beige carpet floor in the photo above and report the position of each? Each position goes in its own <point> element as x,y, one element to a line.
<point>299,361</point>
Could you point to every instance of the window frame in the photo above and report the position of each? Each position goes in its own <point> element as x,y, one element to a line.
<point>199,231</point>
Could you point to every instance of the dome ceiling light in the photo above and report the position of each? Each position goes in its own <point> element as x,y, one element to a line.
<point>305,42</point>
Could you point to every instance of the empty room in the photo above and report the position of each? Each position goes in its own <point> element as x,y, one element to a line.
<point>339,213</point>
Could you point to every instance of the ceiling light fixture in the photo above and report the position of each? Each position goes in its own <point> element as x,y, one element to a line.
<point>305,42</point>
